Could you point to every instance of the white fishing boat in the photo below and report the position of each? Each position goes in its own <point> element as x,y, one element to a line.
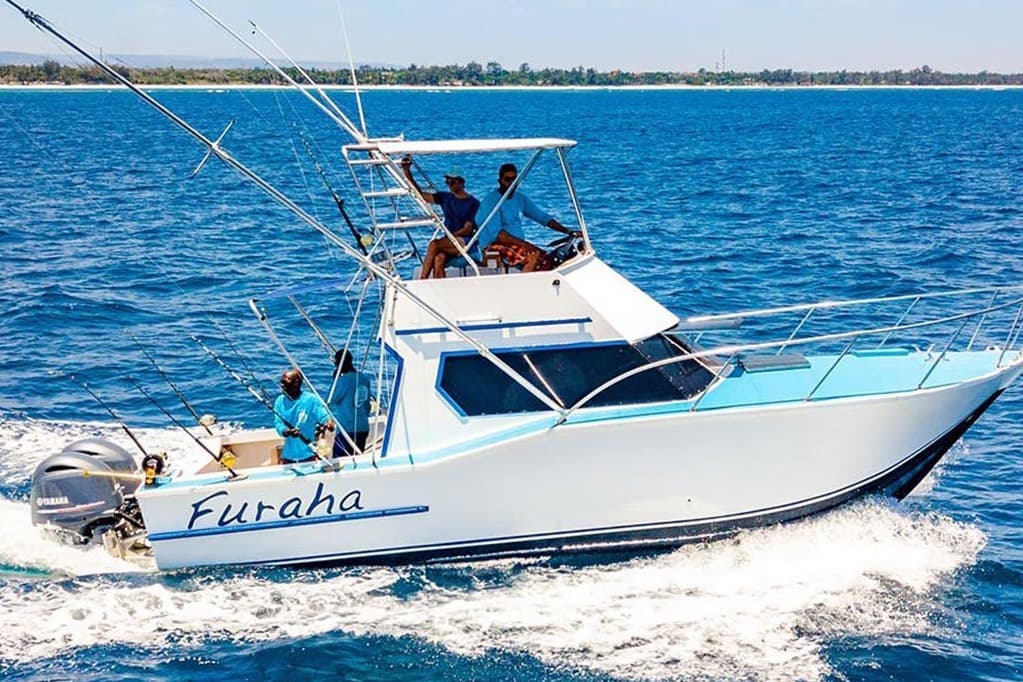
<point>551,411</point>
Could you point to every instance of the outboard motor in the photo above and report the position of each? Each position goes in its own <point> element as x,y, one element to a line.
<point>86,490</point>
<point>111,454</point>
<point>72,491</point>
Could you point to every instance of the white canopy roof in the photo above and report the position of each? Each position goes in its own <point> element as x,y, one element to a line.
<point>471,146</point>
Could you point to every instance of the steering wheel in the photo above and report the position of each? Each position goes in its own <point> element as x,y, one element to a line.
<point>561,241</point>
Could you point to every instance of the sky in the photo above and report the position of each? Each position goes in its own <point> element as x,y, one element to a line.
<point>631,35</point>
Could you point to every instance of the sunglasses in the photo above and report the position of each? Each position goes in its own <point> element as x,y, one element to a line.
<point>509,179</point>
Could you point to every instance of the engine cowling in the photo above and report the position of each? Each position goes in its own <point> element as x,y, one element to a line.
<point>64,496</point>
<point>112,455</point>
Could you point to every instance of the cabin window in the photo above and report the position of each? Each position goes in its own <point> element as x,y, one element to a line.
<point>566,374</point>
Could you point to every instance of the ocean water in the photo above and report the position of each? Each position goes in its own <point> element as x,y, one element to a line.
<point>711,201</point>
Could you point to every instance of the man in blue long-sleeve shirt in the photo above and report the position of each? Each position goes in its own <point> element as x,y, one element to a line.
<point>505,231</point>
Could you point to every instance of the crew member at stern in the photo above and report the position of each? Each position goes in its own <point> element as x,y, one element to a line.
<point>297,415</point>
<point>350,404</point>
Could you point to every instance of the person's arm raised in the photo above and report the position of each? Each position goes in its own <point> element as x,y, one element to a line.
<point>406,166</point>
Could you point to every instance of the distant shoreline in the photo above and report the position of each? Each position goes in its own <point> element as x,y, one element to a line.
<point>478,88</point>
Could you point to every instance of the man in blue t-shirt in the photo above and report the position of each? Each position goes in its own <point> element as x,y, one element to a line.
<point>297,417</point>
<point>350,405</point>
<point>459,209</point>
<point>505,232</point>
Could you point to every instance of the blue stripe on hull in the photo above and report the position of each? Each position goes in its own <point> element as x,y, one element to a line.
<point>288,523</point>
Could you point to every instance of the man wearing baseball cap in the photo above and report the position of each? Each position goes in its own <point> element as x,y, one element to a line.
<point>459,209</point>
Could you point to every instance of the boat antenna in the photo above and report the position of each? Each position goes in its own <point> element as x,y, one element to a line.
<point>110,410</point>
<point>223,461</point>
<point>351,67</point>
<point>181,396</point>
<point>263,400</point>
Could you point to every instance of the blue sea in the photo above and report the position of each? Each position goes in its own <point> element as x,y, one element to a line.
<point>712,201</point>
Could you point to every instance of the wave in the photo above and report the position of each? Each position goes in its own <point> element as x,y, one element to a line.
<point>761,606</point>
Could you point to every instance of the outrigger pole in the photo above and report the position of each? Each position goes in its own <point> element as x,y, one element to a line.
<point>294,64</point>
<point>275,194</point>
<point>334,113</point>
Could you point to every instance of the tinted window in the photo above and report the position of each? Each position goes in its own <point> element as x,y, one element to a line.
<point>568,374</point>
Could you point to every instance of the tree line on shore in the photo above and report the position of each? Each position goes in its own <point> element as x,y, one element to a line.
<point>493,74</point>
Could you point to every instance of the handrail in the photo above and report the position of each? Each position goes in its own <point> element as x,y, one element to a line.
<point>944,352</point>
<point>905,313</point>
<point>976,332</point>
<point>825,305</point>
<point>845,351</point>
<point>797,329</point>
<point>733,349</point>
<point>1009,339</point>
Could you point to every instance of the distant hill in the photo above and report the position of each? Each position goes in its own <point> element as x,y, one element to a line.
<point>161,61</point>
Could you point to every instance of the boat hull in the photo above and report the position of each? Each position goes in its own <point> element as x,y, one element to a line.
<point>583,487</point>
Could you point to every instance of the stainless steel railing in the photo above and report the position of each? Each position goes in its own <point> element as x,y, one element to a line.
<point>733,350</point>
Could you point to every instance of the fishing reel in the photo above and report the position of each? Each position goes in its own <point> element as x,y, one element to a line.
<point>227,459</point>
<point>153,465</point>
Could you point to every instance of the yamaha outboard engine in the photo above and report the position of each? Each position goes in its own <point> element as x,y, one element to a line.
<point>111,454</point>
<point>86,490</point>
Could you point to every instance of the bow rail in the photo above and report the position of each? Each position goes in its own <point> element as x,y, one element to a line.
<point>733,351</point>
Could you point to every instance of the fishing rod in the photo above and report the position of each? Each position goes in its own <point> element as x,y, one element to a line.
<point>177,392</point>
<point>324,340</point>
<point>338,199</point>
<point>225,462</point>
<point>263,400</point>
<point>351,66</point>
<point>294,65</point>
<point>106,407</point>
<point>338,116</point>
